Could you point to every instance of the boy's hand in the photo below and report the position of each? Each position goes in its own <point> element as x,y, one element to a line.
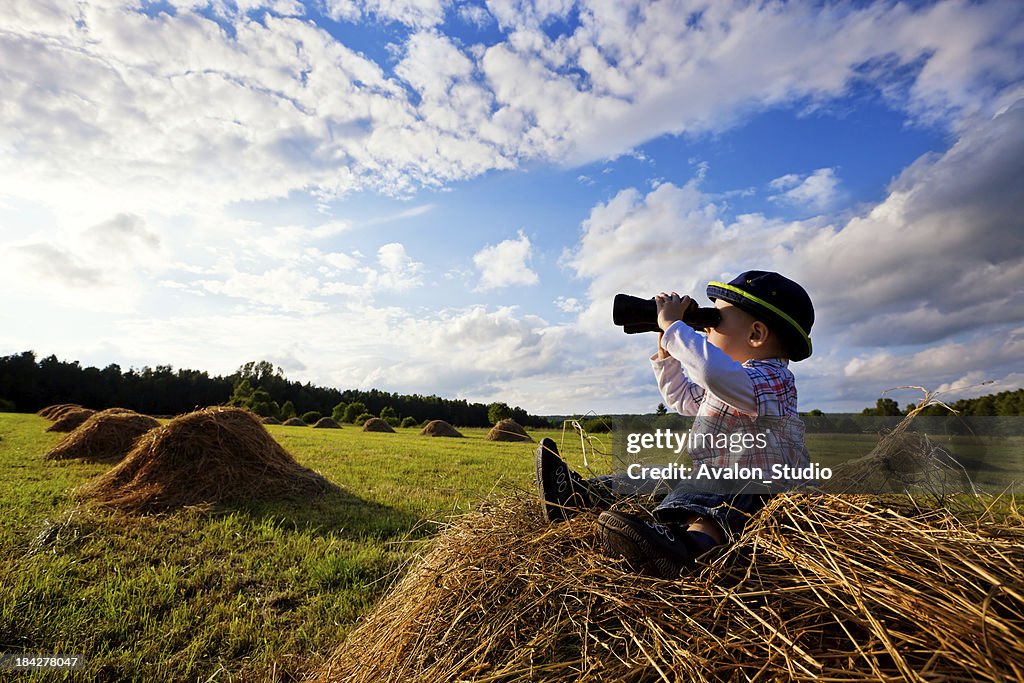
<point>662,353</point>
<point>671,308</point>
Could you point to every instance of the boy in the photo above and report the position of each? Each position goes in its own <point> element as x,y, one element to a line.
<point>726,379</point>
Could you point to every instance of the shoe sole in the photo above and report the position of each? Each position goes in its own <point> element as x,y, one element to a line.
<point>622,540</point>
<point>552,513</point>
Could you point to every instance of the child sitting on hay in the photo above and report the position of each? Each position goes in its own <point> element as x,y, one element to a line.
<point>735,374</point>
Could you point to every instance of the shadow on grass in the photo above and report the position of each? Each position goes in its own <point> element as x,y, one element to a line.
<point>336,512</point>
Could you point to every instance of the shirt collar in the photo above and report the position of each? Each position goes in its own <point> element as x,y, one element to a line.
<point>772,362</point>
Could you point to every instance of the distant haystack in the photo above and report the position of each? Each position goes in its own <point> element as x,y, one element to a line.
<point>439,428</point>
<point>375,424</point>
<point>49,412</point>
<point>270,421</point>
<point>326,423</point>
<point>71,419</point>
<point>62,410</point>
<point>294,422</point>
<point>211,456</point>
<point>507,430</point>
<point>106,436</point>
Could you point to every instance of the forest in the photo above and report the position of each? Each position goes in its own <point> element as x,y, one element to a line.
<point>28,384</point>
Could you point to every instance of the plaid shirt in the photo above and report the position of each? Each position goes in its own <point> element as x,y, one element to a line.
<point>761,395</point>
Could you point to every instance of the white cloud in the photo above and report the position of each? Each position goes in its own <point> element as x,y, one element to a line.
<point>816,192</point>
<point>505,264</point>
<point>124,233</point>
<point>409,12</point>
<point>336,260</point>
<point>51,262</point>
<point>279,289</point>
<point>108,107</point>
<point>516,13</point>
<point>568,304</point>
<point>948,362</point>
<point>397,270</point>
<point>475,15</point>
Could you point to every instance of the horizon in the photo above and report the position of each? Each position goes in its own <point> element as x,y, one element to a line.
<point>439,198</point>
<point>578,416</point>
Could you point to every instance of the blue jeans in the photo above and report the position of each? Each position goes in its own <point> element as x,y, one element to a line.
<point>682,499</point>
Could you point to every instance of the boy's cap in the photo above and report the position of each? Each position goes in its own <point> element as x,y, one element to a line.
<point>776,300</point>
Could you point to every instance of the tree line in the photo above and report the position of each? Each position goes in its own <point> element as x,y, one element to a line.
<point>1003,404</point>
<point>28,384</point>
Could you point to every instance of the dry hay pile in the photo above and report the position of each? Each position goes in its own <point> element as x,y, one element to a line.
<point>294,422</point>
<point>507,430</point>
<point>903,461</point>
<point>270,421</point>
<point>440,428</point>
<point>106,436</point>
<point>375,424</point>
<point>210,456</point>
<point>51,412</point>
<point>817,587</point>
<point>326,423</point>
<point>70,420</point>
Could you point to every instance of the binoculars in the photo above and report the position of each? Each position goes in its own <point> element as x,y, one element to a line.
<point>637,315</point>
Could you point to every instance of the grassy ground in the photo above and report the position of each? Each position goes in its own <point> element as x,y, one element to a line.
<point>255,592</point>
<point>262,591</point>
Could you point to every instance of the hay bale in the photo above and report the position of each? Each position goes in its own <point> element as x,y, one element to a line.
<point>508,430</point>
<point>376,424</point>
<point>270,421</point>
<point>49,411</point>
<point>71,419</point>
<point>294,422</point>
<point>818,587</point>
<point>106,436</point>
<point>211,456</point>
<point>440,428</point>
<point>326,423</point>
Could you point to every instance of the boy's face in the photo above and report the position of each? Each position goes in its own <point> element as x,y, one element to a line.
<point>738,333</point>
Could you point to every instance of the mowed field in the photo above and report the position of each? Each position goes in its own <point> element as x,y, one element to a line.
<point>258,591</point>
<point>261,591</point>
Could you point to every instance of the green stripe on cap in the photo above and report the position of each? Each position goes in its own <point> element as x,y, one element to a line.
<point>761,302</point>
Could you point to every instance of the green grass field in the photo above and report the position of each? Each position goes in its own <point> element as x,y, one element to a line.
<point>261,591</point>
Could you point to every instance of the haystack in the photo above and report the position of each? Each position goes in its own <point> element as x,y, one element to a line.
<point>49,411</point>
<point>71,419</point>
<point>439,428</point>
<point>818,587</point>
<point>270,421</point>
<point>294,422</point>
<point>106,436</point>
<point>903,461</point>
<point>507,430</point>
<point>326,423</point>
<point>62,410</point>
<point>211,456</point>
<point>375,424</point>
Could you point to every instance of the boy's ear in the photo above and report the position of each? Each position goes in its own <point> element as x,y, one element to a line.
<point>759,334</point>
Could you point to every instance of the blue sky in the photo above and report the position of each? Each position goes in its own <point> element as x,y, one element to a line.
<point>442,197</point>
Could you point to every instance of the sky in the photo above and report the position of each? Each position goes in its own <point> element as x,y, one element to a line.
<point>437,197</point>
